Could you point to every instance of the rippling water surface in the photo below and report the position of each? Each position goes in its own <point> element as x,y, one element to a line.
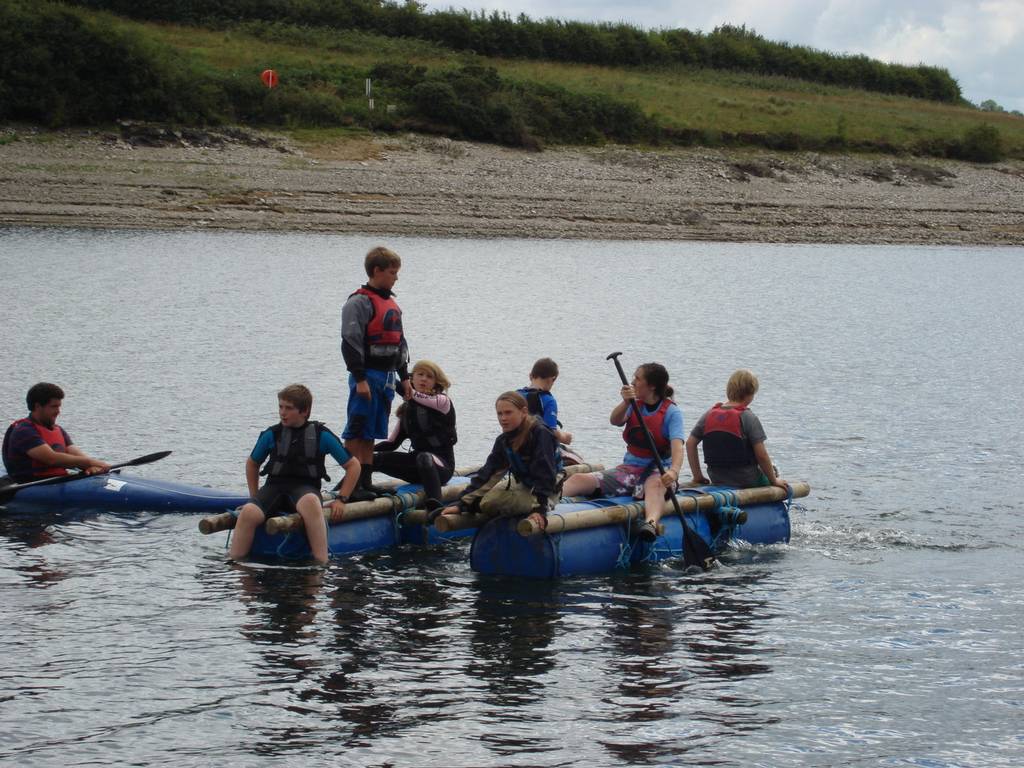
<point>888,632</point>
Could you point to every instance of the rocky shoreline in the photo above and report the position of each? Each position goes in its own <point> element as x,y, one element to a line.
<point>146,177</point>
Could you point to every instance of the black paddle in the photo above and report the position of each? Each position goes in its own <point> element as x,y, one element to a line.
<point>695,551</point>
<point>7,492</point>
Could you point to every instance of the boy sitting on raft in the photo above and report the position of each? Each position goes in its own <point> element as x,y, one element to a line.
<point>734,439</point>
<point>294,449</point>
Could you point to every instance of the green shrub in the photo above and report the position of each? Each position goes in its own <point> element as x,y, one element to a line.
<point>981,144</point>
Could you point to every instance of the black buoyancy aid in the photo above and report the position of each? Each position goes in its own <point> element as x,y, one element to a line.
<point>429,429</point>
<point>52,436</point>
<point>724,442</point>
<point>296,454</point>
<point>519,462</point>
<point>533,400</point>
<point>634,435</point>
<point>384,331</point>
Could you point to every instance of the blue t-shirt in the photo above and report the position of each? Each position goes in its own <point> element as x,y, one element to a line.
<point>671,428</point>
<point>329,445</point>
<point>548,406</point>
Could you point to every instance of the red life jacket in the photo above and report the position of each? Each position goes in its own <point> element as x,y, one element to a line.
<point>634,436</point>
<point>725,445</point>
<point>52,436</point>
<point>385,326</point>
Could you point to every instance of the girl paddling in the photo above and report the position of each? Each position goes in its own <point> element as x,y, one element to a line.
<point>637,475</point>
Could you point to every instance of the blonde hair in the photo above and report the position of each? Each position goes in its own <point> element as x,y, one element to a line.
<point>517,400</point>
<point>742,384</point>
<point>441,382</point>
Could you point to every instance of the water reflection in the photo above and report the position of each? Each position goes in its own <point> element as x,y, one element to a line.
<point>681,653</point>
<point>18,535</point>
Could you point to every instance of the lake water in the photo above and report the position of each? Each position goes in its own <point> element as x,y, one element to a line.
<point>889,632</point>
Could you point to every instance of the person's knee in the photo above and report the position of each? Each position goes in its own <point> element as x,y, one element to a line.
<point>251,514</point>
<point>424,462</point>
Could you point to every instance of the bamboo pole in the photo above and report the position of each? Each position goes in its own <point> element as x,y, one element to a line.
<point>226,520</point>
<point>592,518</point>
<point>448,523</point>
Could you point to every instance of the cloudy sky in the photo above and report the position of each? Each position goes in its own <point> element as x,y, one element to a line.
<point>981,42</point>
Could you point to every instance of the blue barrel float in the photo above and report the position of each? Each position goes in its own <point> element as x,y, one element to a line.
<point>596,536</point>
<point>368,526</point>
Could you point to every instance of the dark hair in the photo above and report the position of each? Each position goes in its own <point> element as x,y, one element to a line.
<point>544,368</point>
<point>42,393</point>
<point>656,377</point>
<point>298,395</point>
<point>381,258</point>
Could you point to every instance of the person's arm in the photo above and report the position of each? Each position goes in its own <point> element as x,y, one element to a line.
<point>482,480</point>
<point>355,316</point>
<point>436,402</point>
<point>395,439</point>
<point>72,458</point>
<point>619,412</point>
<point>352,469</point>
<point>671,475</point>
<point>543,470</point>
<point>264,445</point>
<point>764,461</point>
<point>694,460</point>
<point>252,477</point>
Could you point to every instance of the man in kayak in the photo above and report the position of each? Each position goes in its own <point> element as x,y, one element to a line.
<point>294,450</point>
<point>36,447</point>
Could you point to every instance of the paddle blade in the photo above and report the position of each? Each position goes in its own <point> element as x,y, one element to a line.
<point>147,459</point>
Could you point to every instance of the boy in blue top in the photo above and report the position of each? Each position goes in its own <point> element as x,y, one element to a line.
<point>376,355</point>
<point>294,451</point>
<point>541,402</point>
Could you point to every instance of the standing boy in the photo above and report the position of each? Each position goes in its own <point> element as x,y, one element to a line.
<point>294,450</point>
<point>377,356</point>
<point>734,439</point>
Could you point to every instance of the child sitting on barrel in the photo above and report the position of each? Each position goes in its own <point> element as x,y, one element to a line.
<point>734,439</point>
<point>520,476</point>
<point>294,450</point>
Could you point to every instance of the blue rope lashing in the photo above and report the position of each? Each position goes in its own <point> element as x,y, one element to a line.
<point>280,547</point>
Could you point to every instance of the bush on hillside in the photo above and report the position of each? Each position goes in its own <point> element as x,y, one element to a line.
<point>496,34</point>
<point>62,68</point>
<point>981,144</point>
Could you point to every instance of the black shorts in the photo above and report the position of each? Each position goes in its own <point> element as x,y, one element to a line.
<point>275,499</point>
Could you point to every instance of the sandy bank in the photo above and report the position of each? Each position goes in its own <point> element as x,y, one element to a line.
<point>414,185</point>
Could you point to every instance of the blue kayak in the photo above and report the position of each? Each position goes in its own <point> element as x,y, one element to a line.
<point>121,492</point>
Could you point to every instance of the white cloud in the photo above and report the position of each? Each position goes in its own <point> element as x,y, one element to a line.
<point>981,42</point>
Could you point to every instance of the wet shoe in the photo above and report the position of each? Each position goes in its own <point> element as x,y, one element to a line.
<point>648,531</point>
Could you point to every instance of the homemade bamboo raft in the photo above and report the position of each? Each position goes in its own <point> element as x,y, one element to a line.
<point>595,536</point>
<point>355,510</point>
<point>621,513</point>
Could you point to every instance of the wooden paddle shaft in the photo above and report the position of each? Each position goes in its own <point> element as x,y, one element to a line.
<point>597,516</point>
<point>354,510</point>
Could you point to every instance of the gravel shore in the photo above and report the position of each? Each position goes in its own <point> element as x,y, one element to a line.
<point>415,185</point>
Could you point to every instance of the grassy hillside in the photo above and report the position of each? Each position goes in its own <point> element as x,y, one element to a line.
<point>210,75</point>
